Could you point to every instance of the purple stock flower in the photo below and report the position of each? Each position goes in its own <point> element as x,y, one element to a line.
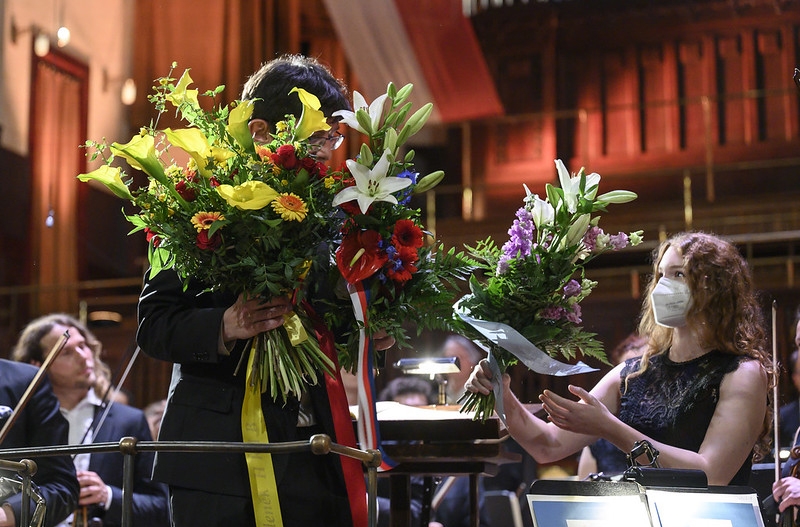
<point>521,239</point>
<point>552,312</point>
<point>573,288</point>
<point>574,315</point>
<point>590,238</point>
<point>618,241</point>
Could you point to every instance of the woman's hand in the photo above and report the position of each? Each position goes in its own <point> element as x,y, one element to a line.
<point>480,380</point>
<point>247,318</point>
<point>585,416</point>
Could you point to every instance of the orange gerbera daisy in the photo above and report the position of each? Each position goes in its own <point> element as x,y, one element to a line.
<point>202,220</point>
<point>290,207</point>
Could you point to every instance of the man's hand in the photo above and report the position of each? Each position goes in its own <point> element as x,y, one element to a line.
<point>93,489</point>
<point>247,318</point>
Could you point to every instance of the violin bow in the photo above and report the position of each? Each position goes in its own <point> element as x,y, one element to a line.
<point>26,396</point>
<point>775,409</point>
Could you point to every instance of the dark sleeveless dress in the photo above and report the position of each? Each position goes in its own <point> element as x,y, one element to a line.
<point>672,403</point>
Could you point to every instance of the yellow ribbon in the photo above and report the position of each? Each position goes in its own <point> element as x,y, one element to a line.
<point>263,486</point>
<point>294,327</point>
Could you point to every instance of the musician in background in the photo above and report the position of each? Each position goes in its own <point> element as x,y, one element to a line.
<point>468,355</point>
<point>790,412</point>
<point>93,420</point>
<point>38,423</point>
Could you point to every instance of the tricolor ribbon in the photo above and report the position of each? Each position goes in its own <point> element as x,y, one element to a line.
<point>342,425</point>
<point>368,432</point>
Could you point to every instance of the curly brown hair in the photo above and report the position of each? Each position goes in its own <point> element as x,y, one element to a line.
<point>725,312</point>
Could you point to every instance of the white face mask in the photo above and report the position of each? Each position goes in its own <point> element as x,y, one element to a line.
<point>670,300</point>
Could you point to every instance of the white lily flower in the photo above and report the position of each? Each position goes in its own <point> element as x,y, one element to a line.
<point>371,184</point>
<point>375,111</point>
<point>543,213</point>
<point>572,186</point>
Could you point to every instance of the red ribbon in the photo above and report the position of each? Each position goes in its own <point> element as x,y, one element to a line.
<point>342,425</point>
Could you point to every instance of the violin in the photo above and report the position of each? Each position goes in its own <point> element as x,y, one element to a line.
<point>787,517</point>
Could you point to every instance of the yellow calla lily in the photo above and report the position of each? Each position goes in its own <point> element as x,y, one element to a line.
<point>111,178</point>
<point>181,95</point>
<point>140,153</point>
<point>193,142</point>
<point>250,195</point>
<point>312,119</point>
<point>237,124</point>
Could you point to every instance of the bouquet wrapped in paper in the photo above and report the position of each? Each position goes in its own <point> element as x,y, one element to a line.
<point>237,216</point>
<point>527,306</point>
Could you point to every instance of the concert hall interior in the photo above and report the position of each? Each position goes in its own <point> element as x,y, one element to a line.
<point>689,103</point>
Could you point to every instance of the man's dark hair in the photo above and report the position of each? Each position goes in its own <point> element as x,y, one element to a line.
<point>270,85</point>
<point>407,385</point>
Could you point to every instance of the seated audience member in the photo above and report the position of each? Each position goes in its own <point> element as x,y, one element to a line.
<point>73,377</point>
<point>39,423</point>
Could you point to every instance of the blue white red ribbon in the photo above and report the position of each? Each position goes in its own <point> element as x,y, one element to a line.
<point>368,433</point>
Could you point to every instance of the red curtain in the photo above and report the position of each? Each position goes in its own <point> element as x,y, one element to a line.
<point>57,128</point>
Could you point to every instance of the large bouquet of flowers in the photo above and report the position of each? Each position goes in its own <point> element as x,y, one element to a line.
<point>237,216</point>
<point>527,309</point>
<point>384,251</point>
<point>394,272</point>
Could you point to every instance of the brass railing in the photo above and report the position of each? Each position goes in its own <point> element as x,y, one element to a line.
<point>319,444</point>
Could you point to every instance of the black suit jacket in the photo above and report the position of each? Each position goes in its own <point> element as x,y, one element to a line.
<point>205,396</point>
<point>150,498</point>
<point>40,423</point>
<point>789,422</point>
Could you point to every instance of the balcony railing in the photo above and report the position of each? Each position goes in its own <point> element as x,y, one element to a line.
<point>319,444</point>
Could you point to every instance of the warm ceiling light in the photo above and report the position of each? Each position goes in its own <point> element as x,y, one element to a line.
<point>127,92</point>
<point>63,35</point>
<point>41,45</point>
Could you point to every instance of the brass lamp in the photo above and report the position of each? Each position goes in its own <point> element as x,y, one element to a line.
<point>435,367</point>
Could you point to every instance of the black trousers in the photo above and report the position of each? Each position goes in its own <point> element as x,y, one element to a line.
<point>311,493</point>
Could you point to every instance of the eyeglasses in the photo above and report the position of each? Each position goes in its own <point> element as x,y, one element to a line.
<point>334,140</point>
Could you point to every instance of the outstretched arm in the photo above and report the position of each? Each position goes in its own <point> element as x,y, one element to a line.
<point>732,432</point>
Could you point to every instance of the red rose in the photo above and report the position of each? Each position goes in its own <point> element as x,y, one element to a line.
<point>151,236</point>
<point>365,244</point>
<point>206,243</point>
<point>407,234</point>
<point>286,157</point>
<point>310,164</point>
<point>185,192</point>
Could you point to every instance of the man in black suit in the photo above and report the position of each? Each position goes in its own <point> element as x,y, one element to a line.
<point>207,334</point>
<point>74,376</point>
<point>39,423</point>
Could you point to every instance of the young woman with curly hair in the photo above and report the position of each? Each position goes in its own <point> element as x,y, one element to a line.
<point>700,393</point>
